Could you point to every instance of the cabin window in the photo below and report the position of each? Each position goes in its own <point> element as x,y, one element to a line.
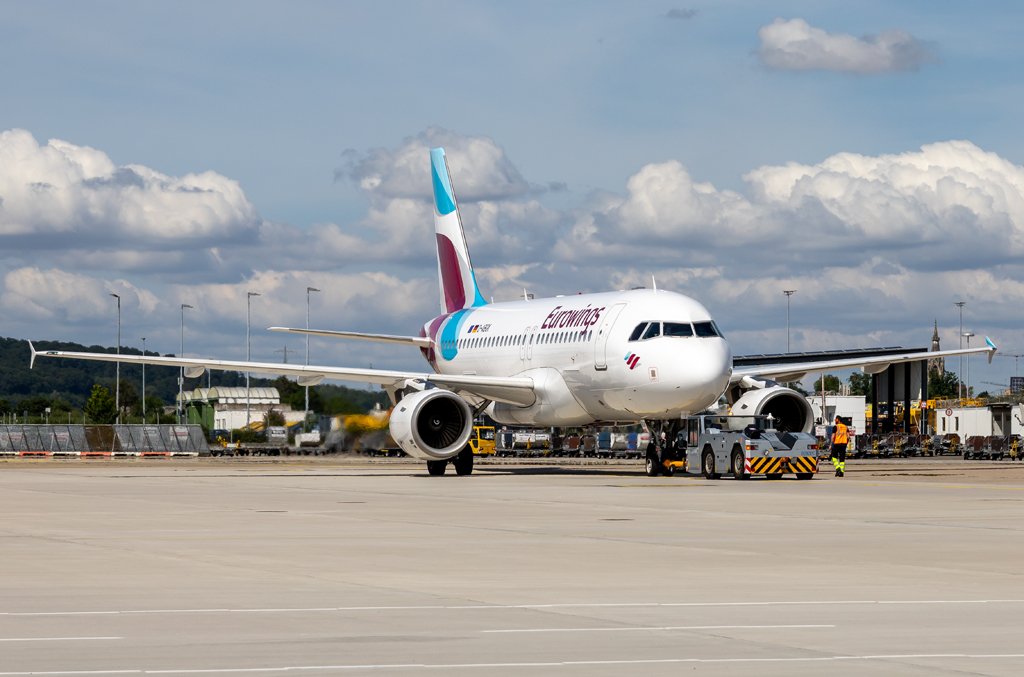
<point>678,329</point>
<point>705,329</point>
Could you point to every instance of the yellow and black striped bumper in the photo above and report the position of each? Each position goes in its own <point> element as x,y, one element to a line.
<point>766,465</point>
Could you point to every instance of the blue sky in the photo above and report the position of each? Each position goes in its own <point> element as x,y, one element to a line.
<point>594,123</point>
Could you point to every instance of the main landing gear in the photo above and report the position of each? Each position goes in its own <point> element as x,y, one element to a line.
<point>463,463</point>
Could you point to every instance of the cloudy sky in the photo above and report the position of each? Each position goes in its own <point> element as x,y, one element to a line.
<point>867,155</point>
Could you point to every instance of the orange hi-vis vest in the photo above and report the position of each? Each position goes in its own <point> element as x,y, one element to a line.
<point>841,434</point>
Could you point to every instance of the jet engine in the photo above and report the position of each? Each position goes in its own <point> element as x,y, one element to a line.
<point>789,410</point>
<point>432,425</point>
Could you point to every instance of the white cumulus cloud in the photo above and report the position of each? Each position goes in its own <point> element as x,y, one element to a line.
<point>61,296</point>
<point>794,44</point>
<point>79,194</point>
<point>483,169</point>
<point>947,206</point>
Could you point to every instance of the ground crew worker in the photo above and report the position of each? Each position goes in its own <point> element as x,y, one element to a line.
<point>840,438</point>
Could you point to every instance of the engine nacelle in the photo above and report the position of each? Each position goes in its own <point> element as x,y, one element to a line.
<point>432,425</point>
<point>789,409</point>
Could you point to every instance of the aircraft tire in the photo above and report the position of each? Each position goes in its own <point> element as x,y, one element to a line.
<point>436,468</point>
<point>464,462</point>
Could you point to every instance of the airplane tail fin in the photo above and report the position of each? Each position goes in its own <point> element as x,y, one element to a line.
<point>458,282</point>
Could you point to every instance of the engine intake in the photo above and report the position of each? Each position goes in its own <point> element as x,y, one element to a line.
<point>432,425</point>
<point>788,408</point>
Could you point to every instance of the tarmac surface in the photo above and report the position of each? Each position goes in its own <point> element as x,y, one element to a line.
<point>344,566</point>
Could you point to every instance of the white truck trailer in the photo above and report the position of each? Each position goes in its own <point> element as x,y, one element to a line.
<point>741,446</point>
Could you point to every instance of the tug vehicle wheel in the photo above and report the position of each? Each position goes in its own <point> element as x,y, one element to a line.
<point>707,465</point>
<point>739,465</point>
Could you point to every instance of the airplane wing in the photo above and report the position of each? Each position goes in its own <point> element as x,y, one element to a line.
<point>418,341</point>
<point>870,365</point>
<point>514,390</point>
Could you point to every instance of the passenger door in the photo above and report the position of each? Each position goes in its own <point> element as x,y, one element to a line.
<point>604,331</point>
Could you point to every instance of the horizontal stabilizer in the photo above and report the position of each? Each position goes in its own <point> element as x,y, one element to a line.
<point>418,341</point>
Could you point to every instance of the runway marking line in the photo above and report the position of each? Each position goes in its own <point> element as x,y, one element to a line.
<point>655,629</point>
<point>55,639</point>
<point>505,607</point>
<point>536,664</point>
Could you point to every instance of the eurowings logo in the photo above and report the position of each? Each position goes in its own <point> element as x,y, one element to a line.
<point>632,359</point>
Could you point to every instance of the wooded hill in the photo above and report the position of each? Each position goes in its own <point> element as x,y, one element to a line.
<point>64,385</point>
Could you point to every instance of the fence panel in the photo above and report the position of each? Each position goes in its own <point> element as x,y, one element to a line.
<point>117,439</point>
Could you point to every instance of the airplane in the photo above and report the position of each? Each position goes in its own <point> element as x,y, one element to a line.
<point>647,356</point>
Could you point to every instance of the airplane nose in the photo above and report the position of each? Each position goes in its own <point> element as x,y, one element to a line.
<point>713,369</point>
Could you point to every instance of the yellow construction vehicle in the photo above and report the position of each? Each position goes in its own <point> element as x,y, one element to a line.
<point>482,440</point>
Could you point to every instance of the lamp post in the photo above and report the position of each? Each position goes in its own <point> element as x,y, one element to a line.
<point>967,386</point>
<point>960,305</point>
<point>117,382</point>
<point>181,371</point>
<point>789,293</point>
<point>143,381</point>
<point>305,412</point>
<point>248,315</point>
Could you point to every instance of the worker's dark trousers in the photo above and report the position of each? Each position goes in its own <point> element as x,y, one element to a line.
<point>839,457</point>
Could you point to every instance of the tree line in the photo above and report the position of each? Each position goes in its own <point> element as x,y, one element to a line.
<point>65,387</point>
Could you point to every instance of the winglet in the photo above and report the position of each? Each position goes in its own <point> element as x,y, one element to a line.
<point>992,348</point>
<point>32,360</point>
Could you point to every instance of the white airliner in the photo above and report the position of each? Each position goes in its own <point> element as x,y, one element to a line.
<point>644,355</point>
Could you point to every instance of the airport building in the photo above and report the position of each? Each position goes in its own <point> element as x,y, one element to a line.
<point>223,408</point>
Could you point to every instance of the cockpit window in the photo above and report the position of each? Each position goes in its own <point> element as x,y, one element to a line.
<point>678,329</point>
<point>638,332</point>
<point>705,329</point>
<point>653,330</point>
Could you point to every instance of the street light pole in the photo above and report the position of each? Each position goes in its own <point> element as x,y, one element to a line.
<point>117,383</point>
<point>960,305</point>
<point>305,412</point>
<point>181,372</point>
<point>248,315</point>
<point>789,293</point>
<point>967,386</point>
<point>143,381</point>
